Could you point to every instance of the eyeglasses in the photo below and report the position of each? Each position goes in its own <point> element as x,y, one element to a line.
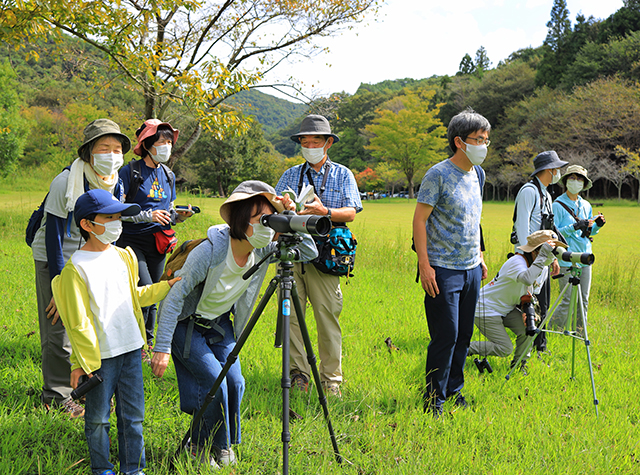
<point>479,140</point>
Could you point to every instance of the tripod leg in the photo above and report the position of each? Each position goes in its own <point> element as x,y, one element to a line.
<point>314,369</point>
<point>231,359</point>
<point>284,314</point>
<point>587,345</point>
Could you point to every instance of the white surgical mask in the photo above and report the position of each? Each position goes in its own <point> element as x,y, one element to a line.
<point>163,153</point>
<point>313,155</point>
<point>106,164</point>
<point>112,231</point>
<point>574,186</point>
<point>556,177</point>
<point>475,153</point>
<point>262,235</point>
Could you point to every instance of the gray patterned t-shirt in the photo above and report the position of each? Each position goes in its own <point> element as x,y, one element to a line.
<point>453,228</point>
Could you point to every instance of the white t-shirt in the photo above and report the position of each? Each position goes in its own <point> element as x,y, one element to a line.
<point>502,294</point>
<point>107,279</point>
<point>218,297</point>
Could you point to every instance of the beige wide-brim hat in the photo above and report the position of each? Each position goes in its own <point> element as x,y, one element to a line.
<point>101,127</point>
<point>246,190</point>
<point>537,239</point>
<point>576,170</point>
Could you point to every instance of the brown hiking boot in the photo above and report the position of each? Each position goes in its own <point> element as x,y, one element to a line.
<point>300,381</point>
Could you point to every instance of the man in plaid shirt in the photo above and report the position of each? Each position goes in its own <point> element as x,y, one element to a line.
<point>336,196</point>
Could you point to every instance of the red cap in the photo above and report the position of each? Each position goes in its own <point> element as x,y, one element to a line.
<point>149,129</point>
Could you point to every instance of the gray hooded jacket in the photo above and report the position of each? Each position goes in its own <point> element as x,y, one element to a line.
<point>207,261</point>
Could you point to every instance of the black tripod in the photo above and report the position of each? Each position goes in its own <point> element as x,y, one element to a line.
<point>576,305</point>
<point>286,252</point>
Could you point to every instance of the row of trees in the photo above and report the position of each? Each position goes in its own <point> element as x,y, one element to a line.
<point>390,132</point>
<point>589,114</point>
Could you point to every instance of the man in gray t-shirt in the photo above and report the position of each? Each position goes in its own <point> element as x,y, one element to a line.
<point>446,232</point>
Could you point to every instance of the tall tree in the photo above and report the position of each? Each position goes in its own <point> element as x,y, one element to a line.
<point>556,55</point>
<point>408,134</point>
<point>466,65</point>
<point>192,52</point>
<point>482,61</point>
<point>559,25</point>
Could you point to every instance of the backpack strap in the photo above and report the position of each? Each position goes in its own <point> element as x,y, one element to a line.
<point>481,178</point>
<point>135,180</point>
<point>171,177</point>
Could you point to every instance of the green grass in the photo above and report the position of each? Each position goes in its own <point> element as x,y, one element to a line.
<point>544,422</point>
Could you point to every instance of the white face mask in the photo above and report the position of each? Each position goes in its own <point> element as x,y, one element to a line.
<point>262,235</point>
<point>112,231</point>
<point>475,153</point>
<point>556,177</point>
<point>106,164</point>
<point>313,155</point>
<point>574,186</point>
<point>164,152</point>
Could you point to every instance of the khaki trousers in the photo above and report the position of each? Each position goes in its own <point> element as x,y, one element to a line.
<point>324,293</point>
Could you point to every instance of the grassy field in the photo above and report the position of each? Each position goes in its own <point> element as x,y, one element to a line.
<point>541,423</point>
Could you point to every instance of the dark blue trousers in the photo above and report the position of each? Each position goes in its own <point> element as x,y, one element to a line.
<point>450,318</point>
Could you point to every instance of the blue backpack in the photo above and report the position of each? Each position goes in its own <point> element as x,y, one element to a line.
<point>336,252</point>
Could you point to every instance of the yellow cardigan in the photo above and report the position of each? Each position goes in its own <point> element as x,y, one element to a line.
<point>72,300</point>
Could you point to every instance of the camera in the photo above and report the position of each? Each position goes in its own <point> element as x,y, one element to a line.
<point>482,365</point>
<point>288,222</point>
<point>529,313</point>
<point>546,221</point>
<point>575,257</point>
<point>87,385</point>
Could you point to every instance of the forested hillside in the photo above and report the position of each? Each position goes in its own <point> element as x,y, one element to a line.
<point>577,93</point>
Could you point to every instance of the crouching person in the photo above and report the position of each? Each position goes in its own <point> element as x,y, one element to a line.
<point>100,305</point>
<point>203,315</point>
<point>499,306</point>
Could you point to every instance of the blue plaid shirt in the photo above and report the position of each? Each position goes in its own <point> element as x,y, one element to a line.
<point>341,187</point>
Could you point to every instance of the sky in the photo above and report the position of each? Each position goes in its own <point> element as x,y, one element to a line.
<point>422,38</point>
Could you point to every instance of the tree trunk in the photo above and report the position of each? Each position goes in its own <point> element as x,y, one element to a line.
<point>410,183</point>
<point>184,148</point>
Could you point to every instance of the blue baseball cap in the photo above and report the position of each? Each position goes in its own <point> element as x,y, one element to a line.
<point>101,202</point>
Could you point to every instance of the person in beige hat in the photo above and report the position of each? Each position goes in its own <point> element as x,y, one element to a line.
<point>520,277</point>
<point>58,237</point>
<point>575,221</point>
<point>199,320</point>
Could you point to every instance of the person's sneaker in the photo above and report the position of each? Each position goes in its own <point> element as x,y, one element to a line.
<point>200,454</point>
<point>72,409</point>
<point>434,410</point>
<point>461,402</point>
<point>110,472</point>
<point>523,367</point>
<point>331,388</point>
<point>300,381</point>
<point>224,457</point>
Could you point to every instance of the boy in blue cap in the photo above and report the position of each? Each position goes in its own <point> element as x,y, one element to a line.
<point>100,304</point>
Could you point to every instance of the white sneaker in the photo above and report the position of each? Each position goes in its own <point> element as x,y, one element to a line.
<point>201,455</point>
<point>224,457</point>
